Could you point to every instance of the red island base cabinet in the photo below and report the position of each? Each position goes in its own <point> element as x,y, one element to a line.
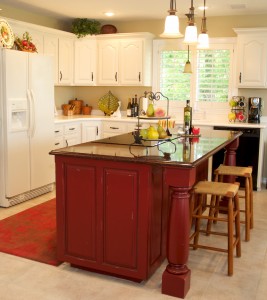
<point>123,215</point>
<point>111,216</point>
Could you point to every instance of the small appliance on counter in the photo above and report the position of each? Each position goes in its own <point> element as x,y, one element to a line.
<point>254,109</point>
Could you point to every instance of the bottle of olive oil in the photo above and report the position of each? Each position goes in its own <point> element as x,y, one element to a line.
<point>188,118</point>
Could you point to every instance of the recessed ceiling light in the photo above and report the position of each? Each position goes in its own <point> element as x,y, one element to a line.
<point>109,13</point>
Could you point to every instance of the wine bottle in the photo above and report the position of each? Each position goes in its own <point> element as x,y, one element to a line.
<point>129,108</point>
<point>136,107</point>
<point>132,108</point>
<point>188,118</point>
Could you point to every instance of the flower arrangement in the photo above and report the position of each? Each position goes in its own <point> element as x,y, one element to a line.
<point>25,44</point>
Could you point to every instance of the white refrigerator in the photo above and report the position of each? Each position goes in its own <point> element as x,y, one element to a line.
<point>26,126</point>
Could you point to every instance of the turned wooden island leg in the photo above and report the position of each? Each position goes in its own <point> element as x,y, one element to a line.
<point>230,158</point>
<point>176,277</point>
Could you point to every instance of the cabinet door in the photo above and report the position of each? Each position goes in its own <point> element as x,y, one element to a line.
<point>77,220</point>
<point>65,61</point>
<point>120,223</point>
<point>252,52</point>
<point>85,62</point>
<point>131,62</point>
<point>90,131</point>
<point>108,53</point>
<point>51,48</point>
<point>72,139</point>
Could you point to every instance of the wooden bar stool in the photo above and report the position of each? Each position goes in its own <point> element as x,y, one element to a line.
<point>198,204</point>
<point>246,173</point>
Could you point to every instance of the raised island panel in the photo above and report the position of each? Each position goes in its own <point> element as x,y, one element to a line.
<point>112,217</point>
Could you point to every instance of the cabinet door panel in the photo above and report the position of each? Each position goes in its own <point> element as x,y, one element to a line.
<point>254,63</point>
<point>51,47</point>
<point>80,212</point>
<point>131,62</point>
<point>90,131</point>
<point>108,62</point>
<point>120,218</point>
<point>85,62</point>
<point>65,61</point>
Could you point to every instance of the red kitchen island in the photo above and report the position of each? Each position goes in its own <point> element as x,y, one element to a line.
<point>123,207</point>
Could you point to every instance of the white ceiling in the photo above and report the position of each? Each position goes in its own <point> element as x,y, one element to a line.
<point>134,9</point>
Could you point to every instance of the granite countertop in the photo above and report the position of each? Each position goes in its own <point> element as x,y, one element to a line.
<point>175,150</point>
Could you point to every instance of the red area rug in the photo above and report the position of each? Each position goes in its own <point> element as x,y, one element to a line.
<point>31,234</point>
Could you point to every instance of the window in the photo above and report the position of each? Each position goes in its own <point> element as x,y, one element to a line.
<point>213,75</point>
<point>210,83</point>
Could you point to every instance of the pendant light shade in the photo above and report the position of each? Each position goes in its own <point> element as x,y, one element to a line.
<point>172,23</point>
<point>187,67</point>
<point>203,38</point>
<point>190,35</point>
<point>191,29</point>
<point>203,41</point>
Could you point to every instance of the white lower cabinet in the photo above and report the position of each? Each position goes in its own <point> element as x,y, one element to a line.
<point>67,134</point>
<point>91,131</point>
<point>112,128</point>
<point>73,133</point>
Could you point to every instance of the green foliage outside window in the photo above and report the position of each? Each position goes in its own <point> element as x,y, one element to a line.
<point>211,82</point>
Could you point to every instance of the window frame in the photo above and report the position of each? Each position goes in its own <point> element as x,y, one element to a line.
<point>177,44</point>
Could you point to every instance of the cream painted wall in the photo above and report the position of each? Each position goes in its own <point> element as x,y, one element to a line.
<point>217,26</point>
<point>25,16</point>
<point>91,95</point>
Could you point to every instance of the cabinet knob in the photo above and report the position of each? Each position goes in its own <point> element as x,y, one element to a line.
<point>240,77</point>
<point>116,76</point>
<point>60,78</point>
<point>139,77</point>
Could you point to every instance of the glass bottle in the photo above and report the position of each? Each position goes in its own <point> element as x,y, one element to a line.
<point>129,108</point>
<point>136,106</point>
<point>132,108</point>
<point>188,118</point>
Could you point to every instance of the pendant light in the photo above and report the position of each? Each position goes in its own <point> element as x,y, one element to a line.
<point>172,23</point>
<point>187,67</point>
<point>203,38</point>
<point>191,28</point>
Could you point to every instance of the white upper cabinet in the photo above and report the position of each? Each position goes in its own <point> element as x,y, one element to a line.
<point>108,62</point>
<point>61,48</point>
<point>51,48</point>
<point>251,57</point>
<point>85,61</point>
<point>125,59</point>
<point>65,61</point>
<point>131,62</point>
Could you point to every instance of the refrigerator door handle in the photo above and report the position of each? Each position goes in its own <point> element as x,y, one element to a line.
<point>33,123</point>
<point>31,113</point>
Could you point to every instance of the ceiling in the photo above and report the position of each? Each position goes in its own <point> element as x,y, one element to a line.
<point>133,10</point>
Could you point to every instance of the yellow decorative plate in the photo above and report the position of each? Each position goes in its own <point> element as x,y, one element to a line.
<point>6,34</point>
<point>108,103</point>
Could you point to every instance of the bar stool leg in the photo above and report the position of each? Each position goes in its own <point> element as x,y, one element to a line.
<point>230,237</point>
<point>247,210</point>
<point>237,226</point>
<point>251,203</point>
<point>198,220</point>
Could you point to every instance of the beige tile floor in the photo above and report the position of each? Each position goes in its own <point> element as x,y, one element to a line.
<point>22,279</point>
